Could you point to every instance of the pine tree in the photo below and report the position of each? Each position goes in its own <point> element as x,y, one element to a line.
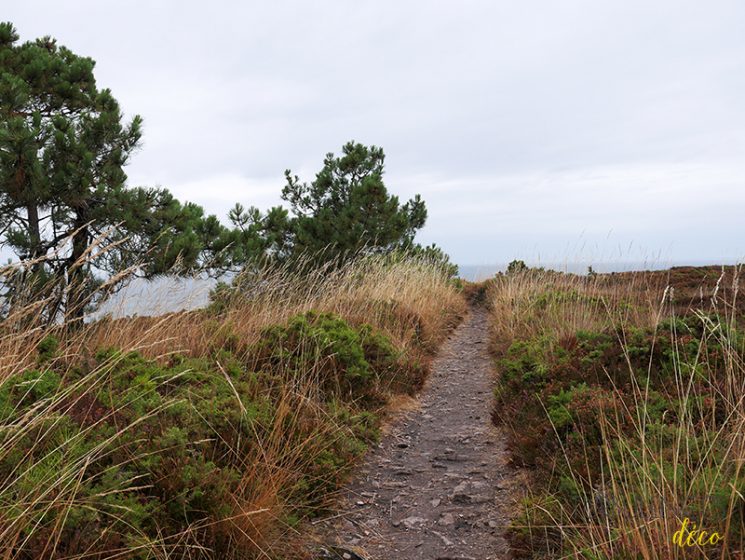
<point>64,207</point>
<point>347,208</point>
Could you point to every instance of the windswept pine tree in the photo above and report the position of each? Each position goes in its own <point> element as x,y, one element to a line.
<point>65,209</point>
<point>347,207</point>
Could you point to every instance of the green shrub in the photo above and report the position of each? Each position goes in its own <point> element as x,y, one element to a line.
<point>574,409</point>
<point>348,360</point>
<point>151,448</point>
<point>47,348</point>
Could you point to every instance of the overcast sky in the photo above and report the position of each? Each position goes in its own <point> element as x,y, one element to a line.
<point>532,129</point>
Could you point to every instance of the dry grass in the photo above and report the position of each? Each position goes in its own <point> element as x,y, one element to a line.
<point>392,296</point>
<point>69,495</point>
<point>628,441</point>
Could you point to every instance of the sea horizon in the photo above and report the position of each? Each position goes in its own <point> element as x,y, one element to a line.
<point>478,272</point>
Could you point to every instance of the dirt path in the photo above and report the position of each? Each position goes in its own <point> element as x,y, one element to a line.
<point>438,485</point>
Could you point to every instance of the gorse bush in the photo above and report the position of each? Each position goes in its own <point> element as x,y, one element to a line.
<point>208,434</point>
<point>347,361</point>
<point>628,413</point>
<point>314,338</point>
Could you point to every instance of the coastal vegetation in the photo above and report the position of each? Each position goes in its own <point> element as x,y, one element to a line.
<point>224,432</point>
<point>212,433</point>
<point>622,395</point>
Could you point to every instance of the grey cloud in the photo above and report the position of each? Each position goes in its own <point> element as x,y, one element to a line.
<point>527,126</point>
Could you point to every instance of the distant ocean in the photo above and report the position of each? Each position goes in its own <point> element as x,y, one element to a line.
<point>475,273</point>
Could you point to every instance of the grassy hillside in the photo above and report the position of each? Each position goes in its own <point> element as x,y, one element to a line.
<point>623,396</point>
<point>208,434</point>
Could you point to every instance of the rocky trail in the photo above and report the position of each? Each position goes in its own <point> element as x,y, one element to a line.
<point>438,486</point>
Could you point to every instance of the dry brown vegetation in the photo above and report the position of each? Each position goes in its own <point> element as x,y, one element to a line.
<point>212,433</point>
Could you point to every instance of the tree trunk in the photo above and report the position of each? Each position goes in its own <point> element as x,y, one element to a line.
<point>76,270</point>
<point>34,231</point>
<point>30,277</point>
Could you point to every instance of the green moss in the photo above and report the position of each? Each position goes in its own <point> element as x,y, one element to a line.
<point>558,406</point>
<point>526,361</point>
